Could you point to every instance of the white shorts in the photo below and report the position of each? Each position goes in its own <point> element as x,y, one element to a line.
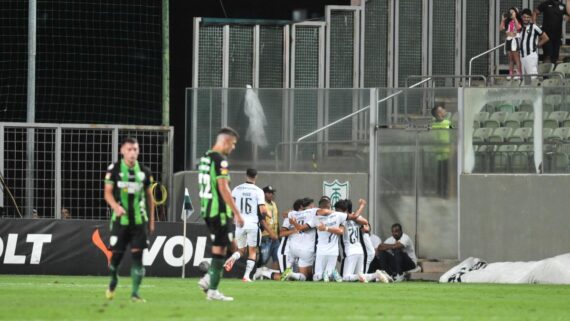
<point>352,264</point>
<point>304,258</point>
<point>247,237</point>
<point>284,257</point>
<point>530,65</point>
<point>324,263</point>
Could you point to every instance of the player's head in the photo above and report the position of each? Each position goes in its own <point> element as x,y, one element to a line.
<point>340,206</point>
<point>526,16</point>
<point>325,202</point>
<point>439,112</point>
<point>226,140</point>
<point>348,205</point>
<point>251,175</point>
<point>298,205</point>
<point>397,231</point>
<point>308,202</point>
<point>130,150</point>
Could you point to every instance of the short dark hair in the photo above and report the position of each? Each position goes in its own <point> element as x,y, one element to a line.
<point>434,109</point>
<point>526,11</point>
<point>307,201</point>
<point>228,131</point>
<point>348,205</point>
<point>340,206</point>
<point>129,140</point>
<point>251,172</point>
<point>397,225</point>
<point>324,201</point>
<point>298,204</point>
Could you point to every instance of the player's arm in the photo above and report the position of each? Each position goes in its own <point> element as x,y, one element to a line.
<point>366,228</point>
<point>359,211</point>
<point>284,232</point>
<point>542,39</point>
<point>226,193</point>
<point>338,230</point>
<point>385,247</point>
<point>324,212</point>
<point>299,227</point>
<point>361,221</point>
<point>110,199</point>
<point>150,205</point>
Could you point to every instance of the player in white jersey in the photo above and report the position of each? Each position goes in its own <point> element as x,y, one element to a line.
<point>352,250</point>
<point>329,230</point>
<point>251,202</point>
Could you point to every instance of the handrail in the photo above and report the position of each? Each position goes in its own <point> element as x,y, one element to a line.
<point>526,76</point>
<point>481,55</point>
<point>444,77</point>
<point>358,111</point>
<point>276,149</point>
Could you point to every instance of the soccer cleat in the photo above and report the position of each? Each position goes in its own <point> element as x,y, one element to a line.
<point>246,279</point>
<point>286,274</point>
<point>336,276</point>
<point>258,273</point>
<point>137,299</point>
<point>204,283</point>
<point>362,278</point>
<point>215,295</point>
<point>383,277</point>
<point>399,278</point>
<point>110,295</point>
<point>325,276</point>
<point>229,263</point>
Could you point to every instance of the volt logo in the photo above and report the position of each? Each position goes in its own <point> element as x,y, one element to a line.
<point>9,251</point>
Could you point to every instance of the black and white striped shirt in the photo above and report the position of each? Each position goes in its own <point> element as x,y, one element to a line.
<point>529,39</point>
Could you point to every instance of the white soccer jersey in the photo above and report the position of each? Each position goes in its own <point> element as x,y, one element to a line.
<point>350,242</point>
<point>327,243</point>
<point>304,241</point>
<point>408,248</point>
<point>248,198</point>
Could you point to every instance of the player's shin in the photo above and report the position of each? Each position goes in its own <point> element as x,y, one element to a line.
<point>215,271</point>
<point>114,269</point>
<point>137,272</point>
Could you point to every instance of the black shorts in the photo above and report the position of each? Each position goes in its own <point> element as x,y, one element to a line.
<point>123,235</point>
<point>220,235</point>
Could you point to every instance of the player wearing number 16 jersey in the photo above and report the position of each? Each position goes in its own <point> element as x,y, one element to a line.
<point>250,199</point>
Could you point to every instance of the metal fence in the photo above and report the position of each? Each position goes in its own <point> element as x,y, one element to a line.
<point>50,167</point>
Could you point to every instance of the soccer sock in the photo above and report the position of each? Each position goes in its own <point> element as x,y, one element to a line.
<point>370,277</point>
<point>236,256</point>
<point>249,267</point>
<point>137,272</point>
<point>297,276</point>
<point>114,269</point>
<point>215,271</point>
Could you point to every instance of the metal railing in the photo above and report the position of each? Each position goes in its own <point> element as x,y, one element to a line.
<point>433,77</point>
<point>481,55</point>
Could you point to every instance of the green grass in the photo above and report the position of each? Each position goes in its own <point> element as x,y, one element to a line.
<point>82,298</point>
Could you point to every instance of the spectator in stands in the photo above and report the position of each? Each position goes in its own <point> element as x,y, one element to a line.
<point>397,254</point>
<point>511,23</point>
<point>553,12</point>
<point>35,214</point>
<point>442,125</point>
<point>270,239</point>
<point>532,38</point>
<point>65,215</point>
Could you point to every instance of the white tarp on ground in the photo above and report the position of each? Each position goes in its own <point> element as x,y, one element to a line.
<point>555,270</point>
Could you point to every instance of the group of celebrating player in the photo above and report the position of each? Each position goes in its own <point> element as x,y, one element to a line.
<point>311,236</point>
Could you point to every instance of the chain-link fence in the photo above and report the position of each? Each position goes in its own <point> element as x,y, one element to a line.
<point>48,168</point>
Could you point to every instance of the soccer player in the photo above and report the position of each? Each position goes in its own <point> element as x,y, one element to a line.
<point>251,202</point>
<point>329,229</point>
<point>128,193</point>
<point>217,207</point>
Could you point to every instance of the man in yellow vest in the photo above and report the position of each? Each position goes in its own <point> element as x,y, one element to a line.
<point>270,239</point>
<point>441,126</point>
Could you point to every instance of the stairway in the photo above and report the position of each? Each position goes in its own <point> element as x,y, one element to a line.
<point>432,270</point>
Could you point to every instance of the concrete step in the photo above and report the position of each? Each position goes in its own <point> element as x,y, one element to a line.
<point>440,266</point>
<point>420,276</point>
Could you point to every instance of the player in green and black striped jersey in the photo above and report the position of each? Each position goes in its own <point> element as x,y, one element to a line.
<point>217,207</point>
<point>128,193</point>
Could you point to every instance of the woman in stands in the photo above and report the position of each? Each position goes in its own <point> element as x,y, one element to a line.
<point>511,23</point>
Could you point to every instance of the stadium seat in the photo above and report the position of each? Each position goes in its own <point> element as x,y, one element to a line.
<point>526,105</point>
<point>488,108</point>
<point>481,135</point>
<point>500,135</point>
<point>496,120</point>
<point>455,120</point>
<point>482,157</point>
<point>520,135</point>
<point>563,68</point>
<point>545,133</point>
<point>559,134</point>
<point>552,82</point>
<point>526,148</point>
<point>501,159</point>
<point>529,120</point>
<point>515,119</point>
<point>481,117</point>
<point>545,67</point>
<point>505,106</point>
<point>557,162</point>
<point>551,102</point>
<point>554,119</point>
<point>521,160</point>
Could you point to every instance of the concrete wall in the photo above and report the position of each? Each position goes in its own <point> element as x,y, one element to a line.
<point>514,217</point>
<point>289,186</point>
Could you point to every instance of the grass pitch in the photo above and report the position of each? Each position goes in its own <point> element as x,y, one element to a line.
<point>82,298</point>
